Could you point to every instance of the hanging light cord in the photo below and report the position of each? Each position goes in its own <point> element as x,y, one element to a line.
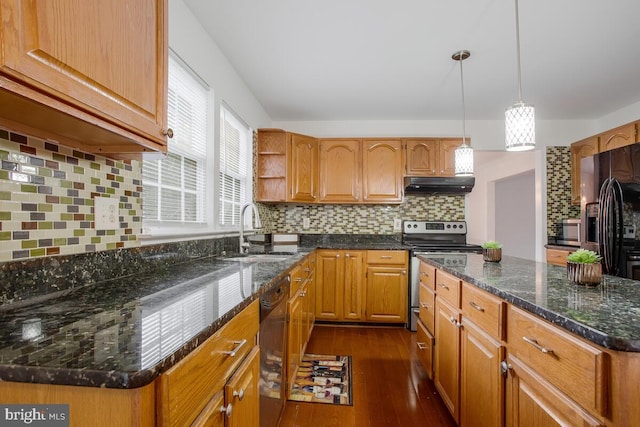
<point>464,130</point>
<point>517,54</point>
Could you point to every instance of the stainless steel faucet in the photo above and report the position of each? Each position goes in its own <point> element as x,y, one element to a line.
<point>244,246</point>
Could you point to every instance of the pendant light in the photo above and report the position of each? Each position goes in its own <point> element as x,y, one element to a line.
<point>520,126</point>
<point>464,153</point>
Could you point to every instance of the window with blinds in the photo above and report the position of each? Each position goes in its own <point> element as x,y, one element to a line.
<point>174,187</point>
<point>235,168</point>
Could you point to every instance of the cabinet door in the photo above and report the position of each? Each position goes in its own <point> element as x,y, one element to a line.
<point>481,382</point>
<point>447,356</point>
<point>243,394</point>
<point>213,415</point>
<point>302,172</point>
<point>532,401</point>
<point>340,170</point>
<point>579,150</point>
<point>618,137</point>
<point>447,156</point>
<point>386,294</point>
<point>382,171</point>
<point>107,58</point>
<point>271,170</point>
<point>421,157</point>
<point>557,257</point>
<point>354,289</point>
<point>329,285</point>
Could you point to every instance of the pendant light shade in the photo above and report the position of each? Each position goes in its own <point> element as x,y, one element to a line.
<point>519,119</point>
<point>464,153</point>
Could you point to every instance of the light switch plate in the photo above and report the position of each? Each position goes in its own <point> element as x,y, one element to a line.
<point>305,223</point>
<point>106,213</point>
<point>397,224</point>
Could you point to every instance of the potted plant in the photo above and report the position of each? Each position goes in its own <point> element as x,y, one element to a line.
<point>492,251</point>
<point>584,268</point>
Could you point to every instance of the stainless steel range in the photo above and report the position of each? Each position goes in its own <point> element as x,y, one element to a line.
<point>430,237</point>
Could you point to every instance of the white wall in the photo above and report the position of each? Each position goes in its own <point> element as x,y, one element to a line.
<point>191,42</point>
<point>515,214</point>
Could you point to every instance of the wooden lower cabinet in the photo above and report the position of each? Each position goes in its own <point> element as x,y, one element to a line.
<point>386,294</point>
<point>339,288</point>
<point>447,356</point>
<point>481,382</point>
<point>242,393</point>
<point>425,342</point>
<point>533,401</point>
<point>558,256</point>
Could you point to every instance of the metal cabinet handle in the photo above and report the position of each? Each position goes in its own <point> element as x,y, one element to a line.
<point>422,273</point>
<point>421,346</point>
<point>534,343</point>
<point>404,272</point>
<point>298,279</point>
<point>239,394</point>
<point>505,367</point>
<point>338,256</point>
<point>347,255</point>
<point>476,306</point>
<point>425,305</point>
<point>455,322</point>
<point>303,294</point>
<point>233,352</point>
<point>385,256</point>
<point>227,410</point>
<point>443,285</point>
<point>168,132</point>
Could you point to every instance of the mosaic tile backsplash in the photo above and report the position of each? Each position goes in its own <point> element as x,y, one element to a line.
<point>47,195</point>
<point>559,188</point>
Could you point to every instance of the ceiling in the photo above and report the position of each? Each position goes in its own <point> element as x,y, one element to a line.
<point>391,60</point>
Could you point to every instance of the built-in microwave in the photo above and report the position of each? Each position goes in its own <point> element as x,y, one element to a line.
<point>569,232</point>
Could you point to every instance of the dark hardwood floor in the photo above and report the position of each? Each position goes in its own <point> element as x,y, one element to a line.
<point>390,387</point>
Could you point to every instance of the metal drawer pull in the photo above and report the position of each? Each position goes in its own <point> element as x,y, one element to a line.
<point>476,306</point>
<point>443,285</point>
<point>421,346</point>
<point>422,273</point>
<point>298,279</point>
<point>425,305</point>
<point>385,256</point>
<point>534,343</point>
<point>455,322</point>
<point>227,410</point>
<point>233,352</point>
<point>239,394</point>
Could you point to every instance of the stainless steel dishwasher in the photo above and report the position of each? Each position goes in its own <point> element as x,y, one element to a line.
<point>273,323</point>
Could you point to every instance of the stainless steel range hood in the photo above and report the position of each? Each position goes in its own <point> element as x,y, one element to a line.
<point>438,184</point>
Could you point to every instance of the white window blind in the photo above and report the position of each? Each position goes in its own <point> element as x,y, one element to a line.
<point>235,168</point>
<point>174,187</point>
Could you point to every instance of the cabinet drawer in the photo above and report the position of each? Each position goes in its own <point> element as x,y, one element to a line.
<point>484,309</point>
<point>575,367</point>
<point>424,342</point>
<point>448,288</point>
<point>557,257</point>
<point>427,275</point>
<point>386,257</point>
<point>187,387</point>
<point>427,307</point>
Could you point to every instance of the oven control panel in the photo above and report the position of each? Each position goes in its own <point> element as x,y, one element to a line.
<point>434,227</point>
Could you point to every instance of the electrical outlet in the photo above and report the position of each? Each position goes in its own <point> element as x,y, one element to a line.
<point>106,212</point>
<point>397,224</point>
<point>305,223</point>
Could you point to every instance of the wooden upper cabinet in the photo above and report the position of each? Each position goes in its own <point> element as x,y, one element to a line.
<point>421,157</point>
<point>579,150</point>
<point>618,137</point>
<point>302,172</point>
<point>382,171</point>
<point>340,170</point>
<point>271,170</point>
<point>91,74</point>
<point>431,157</point>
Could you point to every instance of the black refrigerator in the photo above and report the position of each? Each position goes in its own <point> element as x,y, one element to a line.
<point>610,200</point>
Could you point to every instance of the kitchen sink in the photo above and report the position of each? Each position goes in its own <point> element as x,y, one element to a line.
<point>258,258</point>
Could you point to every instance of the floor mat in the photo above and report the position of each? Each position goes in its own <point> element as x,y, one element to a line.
<point>323,379</point>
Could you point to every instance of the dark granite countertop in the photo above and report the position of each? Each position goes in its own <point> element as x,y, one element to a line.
<point>607,314</point>
<point>123,333</point>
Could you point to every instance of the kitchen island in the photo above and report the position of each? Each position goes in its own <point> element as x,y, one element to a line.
<point>518,338</point>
